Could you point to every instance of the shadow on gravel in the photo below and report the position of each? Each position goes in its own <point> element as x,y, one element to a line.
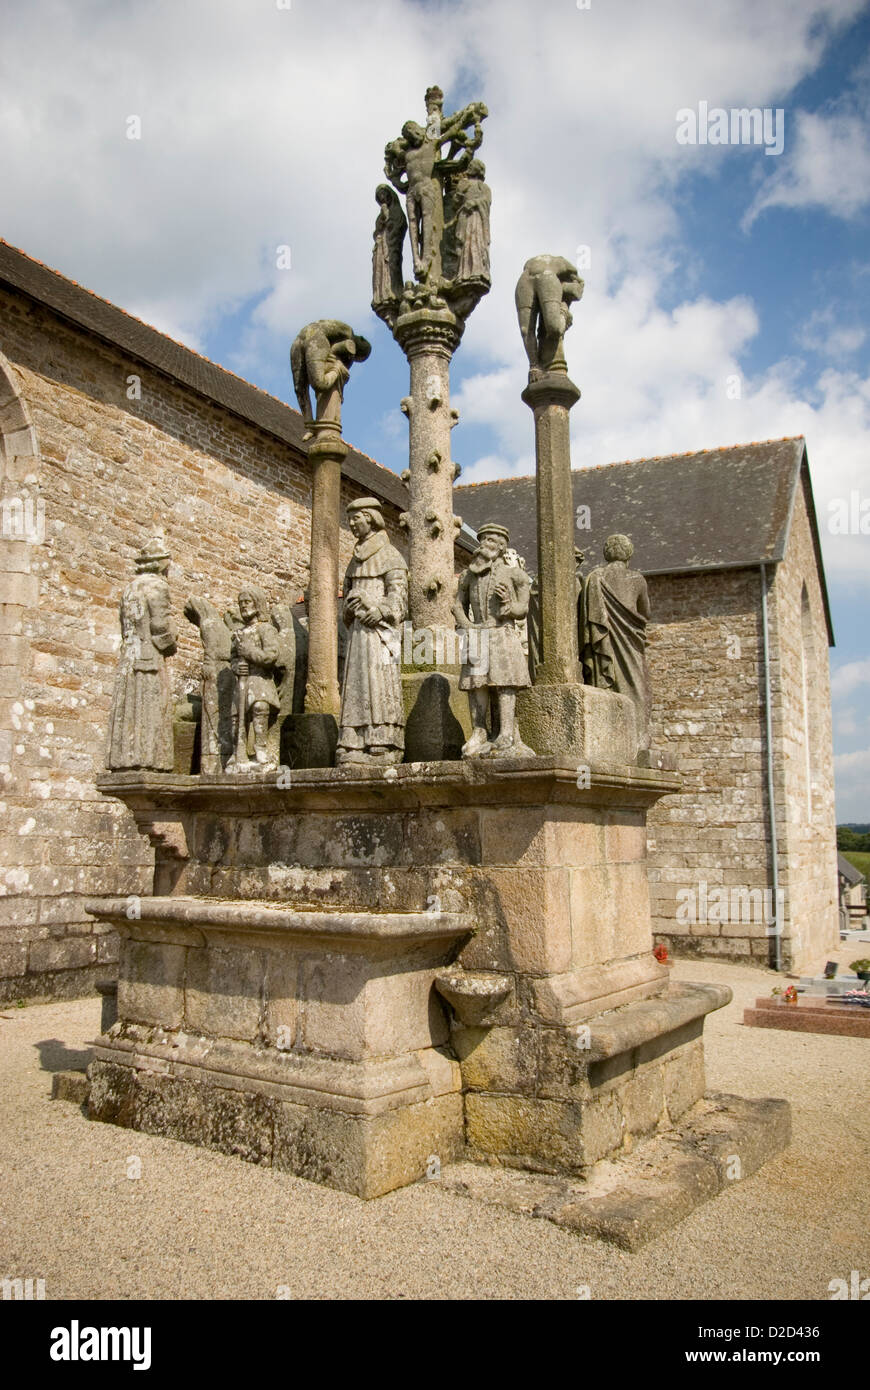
<point>54,1055</point>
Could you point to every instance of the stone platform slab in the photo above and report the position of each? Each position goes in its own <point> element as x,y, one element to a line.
<point>815,1015</point>
<point>630,1200</point>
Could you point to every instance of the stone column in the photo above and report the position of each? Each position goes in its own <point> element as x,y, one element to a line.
<point>437,718</point>
<point>551,398</point>
<point>309,739</point>
<point>429,338</point>
<point>326,453</point>
<point>559,714</point>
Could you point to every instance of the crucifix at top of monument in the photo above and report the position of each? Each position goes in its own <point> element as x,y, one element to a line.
<point>448,206</point>
<point>434,168</point>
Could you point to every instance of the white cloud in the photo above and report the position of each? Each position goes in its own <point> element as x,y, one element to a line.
<point>853,787</point>
<point>848,678</point>
<point>827,165</point>
<point>827,334</point>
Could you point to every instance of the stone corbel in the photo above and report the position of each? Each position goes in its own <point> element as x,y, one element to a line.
<point>170,841</point>
<point>473,995</point>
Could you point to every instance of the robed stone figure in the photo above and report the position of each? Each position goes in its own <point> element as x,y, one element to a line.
<point>140,721</point>
<point>491,607</point>
<point>372,721</point>
<point>615,609</point>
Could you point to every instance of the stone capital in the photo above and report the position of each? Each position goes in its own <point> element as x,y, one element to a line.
<point>428,331</point>
<point>327,442</point>
<point>554,388</point>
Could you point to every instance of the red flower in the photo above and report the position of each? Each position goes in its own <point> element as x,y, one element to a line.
<point>661,954</point>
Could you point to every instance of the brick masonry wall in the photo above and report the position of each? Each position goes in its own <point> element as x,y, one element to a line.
<point>803,742</point>
<point>233,503</point>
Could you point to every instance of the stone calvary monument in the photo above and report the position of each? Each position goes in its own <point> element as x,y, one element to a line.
<point>428,950</point>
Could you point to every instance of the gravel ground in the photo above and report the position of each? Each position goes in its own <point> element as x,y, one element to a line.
<point>201,1225</point>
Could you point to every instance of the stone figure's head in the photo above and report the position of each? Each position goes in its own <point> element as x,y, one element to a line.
<point>493,539</point>
<point>352,349</point>
<point>476,169</point>
<point>364,515</point>
<point>413,134</point>
<point>253,606</point>
<point>385,196</point>
<point>153,558</point>
<point>618,547</point>
<point>572,290</point>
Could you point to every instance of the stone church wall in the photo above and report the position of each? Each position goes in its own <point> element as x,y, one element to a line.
<point>705,668</point>
<point>233,503</point>
<point>803,739</point>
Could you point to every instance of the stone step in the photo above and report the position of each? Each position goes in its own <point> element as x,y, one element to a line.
<point>630,1200</point>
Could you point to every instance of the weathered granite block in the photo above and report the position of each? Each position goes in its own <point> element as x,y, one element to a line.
<point>151,982</point>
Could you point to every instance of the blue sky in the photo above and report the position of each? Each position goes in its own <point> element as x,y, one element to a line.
<point>263,124</point>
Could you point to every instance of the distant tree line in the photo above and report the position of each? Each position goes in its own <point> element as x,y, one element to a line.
<point>853,837</point>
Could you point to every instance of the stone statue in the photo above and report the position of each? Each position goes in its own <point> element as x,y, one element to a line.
<point>473,200</point>
<point>255,657</point>
<point>491,598</point>
<point>546,288</point>
<point>216,738</point>
<point>320,359</point>
<point>140,720</point>
<point>372,723</point>
<point>389,238</point>
<point>615,613</point>
<point>419,167</point>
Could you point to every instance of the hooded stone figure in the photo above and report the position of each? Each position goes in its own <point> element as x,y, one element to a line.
<point>140,721</point>
<point>614,616</point>
<point>372,722</point>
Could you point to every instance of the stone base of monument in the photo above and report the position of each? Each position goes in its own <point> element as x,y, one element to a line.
<point>649,1188</point>
<point>304,1040</point>
<point>578,721</point>
<point>366,974</point>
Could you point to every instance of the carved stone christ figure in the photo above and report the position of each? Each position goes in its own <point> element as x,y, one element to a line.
<point>372,722</point>
<point>140,721</point>
<point>417,166</point>
<point>545,290</point>
<point>615,613</point>
<point>320,359</point>
<point>492,598</point>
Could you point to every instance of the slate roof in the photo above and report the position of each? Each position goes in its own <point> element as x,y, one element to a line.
<point>717,509</point>
<point>86,310</point>
<point>848,871</point>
